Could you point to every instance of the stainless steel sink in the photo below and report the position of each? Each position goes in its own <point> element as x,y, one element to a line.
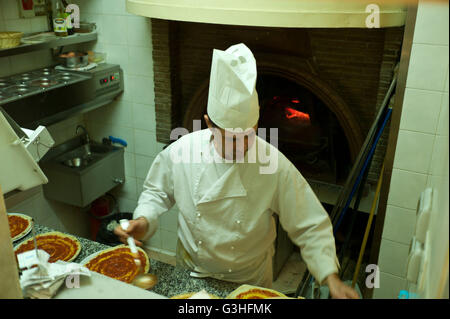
<point>84,155</point>
<point>79,173</point>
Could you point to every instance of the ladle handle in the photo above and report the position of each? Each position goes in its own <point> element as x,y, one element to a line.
<point>124,223</point>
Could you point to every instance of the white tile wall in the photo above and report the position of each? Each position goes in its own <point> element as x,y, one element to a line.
<point>422,145</point>
<point>442,128</point>
<point>420,110</point>
<point>399,224</point>
<point>138,29</point>
<point>9,9</point>
<point>389,286</point>
<point>438,159</point>
<point>66,129</point>
<point>126,205</point>
<point>409,143</point>
<point>145,142</point>
<point>130,164</point>
<point>116,113</point>
<point>143,164</point>
<point>127,41</point>
<point>141,88</point>
<point>405,188</point>
<point>432,33</point>
<point>431,60</point>
<point>393,257</point>
<point>144,117</point>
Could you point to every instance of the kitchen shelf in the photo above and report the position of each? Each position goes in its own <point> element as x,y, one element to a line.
<point>53,43</point>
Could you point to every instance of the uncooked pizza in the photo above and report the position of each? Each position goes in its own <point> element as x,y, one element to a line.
<point>190,294</point>
<point>19,225</point>
<point>58,245</point>
<point>254,292</point>
<point>118,263</point>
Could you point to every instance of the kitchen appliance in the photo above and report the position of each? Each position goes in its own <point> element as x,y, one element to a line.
<point>46,96</point>
<point>19,169</point>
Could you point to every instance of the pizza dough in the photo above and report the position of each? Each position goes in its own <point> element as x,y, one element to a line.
<point>118,263</point>
<point>244,292</point>
<point>190,294</point>
<point>255,292</point>
<point>19,225</point>
<point>58,245</point>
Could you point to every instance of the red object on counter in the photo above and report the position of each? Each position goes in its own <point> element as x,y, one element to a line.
<point>99,208</point>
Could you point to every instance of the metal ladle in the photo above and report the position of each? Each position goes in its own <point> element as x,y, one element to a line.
<point>144,281</point>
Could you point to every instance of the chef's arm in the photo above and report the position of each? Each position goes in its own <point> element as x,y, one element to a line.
<point>157,196</point>
<point>307,224</point>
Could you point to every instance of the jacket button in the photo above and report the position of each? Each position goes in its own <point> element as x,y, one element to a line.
<point>229,270</point>
<point>199,215</point>
<point>232,247</point>
<point>199,242</point>
<point>238,221</point>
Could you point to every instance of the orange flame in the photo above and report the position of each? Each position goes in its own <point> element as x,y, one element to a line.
<point>291,113</point>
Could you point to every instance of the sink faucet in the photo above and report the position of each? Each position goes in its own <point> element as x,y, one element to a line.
<point>86,139</point>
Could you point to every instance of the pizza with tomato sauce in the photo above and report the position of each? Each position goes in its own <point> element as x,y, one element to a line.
<point>117,263</point>
<point>19,225</point>
<point>58,245</point>
<point>254,292</point>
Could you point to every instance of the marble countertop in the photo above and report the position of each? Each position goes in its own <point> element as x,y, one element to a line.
<point>172,280</point>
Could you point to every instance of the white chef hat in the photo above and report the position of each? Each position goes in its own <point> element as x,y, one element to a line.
<point>232,99</point>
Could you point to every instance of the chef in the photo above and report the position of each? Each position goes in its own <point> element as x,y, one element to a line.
<point>226,201</point>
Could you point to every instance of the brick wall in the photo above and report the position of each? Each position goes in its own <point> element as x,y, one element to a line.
<point>165,79</point>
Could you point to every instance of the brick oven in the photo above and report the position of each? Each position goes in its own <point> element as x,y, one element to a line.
<point>337,76</point>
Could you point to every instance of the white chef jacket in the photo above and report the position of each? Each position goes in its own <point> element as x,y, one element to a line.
<point>225,221</point>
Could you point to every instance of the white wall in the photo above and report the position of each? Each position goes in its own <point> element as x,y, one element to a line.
<point>422,146</point>
<point>127,41</point>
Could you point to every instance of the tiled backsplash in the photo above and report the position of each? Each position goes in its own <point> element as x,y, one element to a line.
<point>422,145</point>
<point>126,39</point>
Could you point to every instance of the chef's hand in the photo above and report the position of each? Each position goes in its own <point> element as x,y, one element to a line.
<point>137,229</point>
<point>339,290</point>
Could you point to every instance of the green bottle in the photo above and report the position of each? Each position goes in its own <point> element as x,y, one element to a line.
<point>60,21</point>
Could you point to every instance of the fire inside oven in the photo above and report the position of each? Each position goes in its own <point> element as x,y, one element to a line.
<point>309,134</point>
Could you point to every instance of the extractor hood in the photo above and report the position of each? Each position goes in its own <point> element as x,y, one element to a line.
<point>273,13</point>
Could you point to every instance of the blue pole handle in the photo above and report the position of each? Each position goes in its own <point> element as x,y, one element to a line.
<point>120,141</point>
